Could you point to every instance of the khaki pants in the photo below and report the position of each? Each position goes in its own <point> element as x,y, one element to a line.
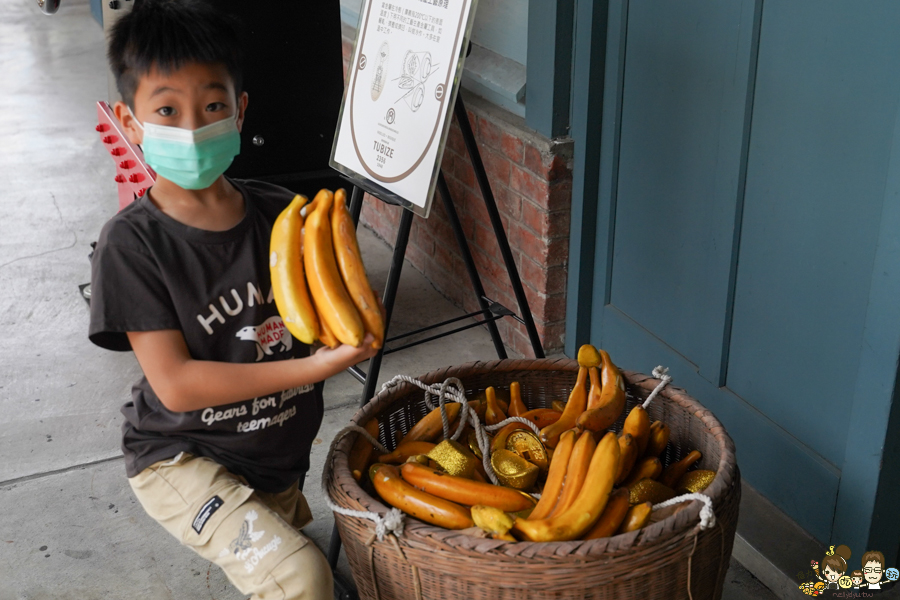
<point>253,536</point>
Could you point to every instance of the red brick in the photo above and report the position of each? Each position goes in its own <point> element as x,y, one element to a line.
<point>497,167</point>
<point>443,257</point>
<point>557,252</point>
<point>422,237</point>
<point>455,140</point>
<point>559,223</point>
<point>486,241</point>
<point>508,202</point>
<point>536,219</point>
<point>529,243</point>
<point>530,186</point>
<point>559,169</point>
<point>513,147</point>
<point>552,335</point>
<point>417,258</point>
<point>535,274</point>
<point>463,171</point>
<point>559,196</point>
<point>489,134</point>
<point>534,161</point>
<point>557,280</point>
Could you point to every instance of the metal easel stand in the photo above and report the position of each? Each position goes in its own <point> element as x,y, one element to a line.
<point>489,312</point>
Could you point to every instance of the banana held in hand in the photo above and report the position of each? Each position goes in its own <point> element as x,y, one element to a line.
<point>329,295</point>
<point>288,281</point>
<point>353,271</point>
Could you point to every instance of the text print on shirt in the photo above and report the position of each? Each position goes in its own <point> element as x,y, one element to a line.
<point>254,296</point>
<point>211,416</point>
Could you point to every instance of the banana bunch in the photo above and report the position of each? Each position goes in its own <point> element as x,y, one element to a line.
<point>318,277</point>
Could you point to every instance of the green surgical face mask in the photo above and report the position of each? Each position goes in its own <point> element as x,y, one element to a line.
<point>191,159</point>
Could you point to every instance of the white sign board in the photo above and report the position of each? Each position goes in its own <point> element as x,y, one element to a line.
<point>402,82</point>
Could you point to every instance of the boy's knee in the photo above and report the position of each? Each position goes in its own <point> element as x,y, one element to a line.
<point>302,575</point>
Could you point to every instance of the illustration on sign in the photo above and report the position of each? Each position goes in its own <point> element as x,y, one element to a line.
<point>395,113</point>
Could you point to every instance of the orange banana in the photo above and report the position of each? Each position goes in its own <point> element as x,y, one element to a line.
<point>516,407</point>
<point>612,517</point>
<point>332,302</point>
<point>464,491</point>
<point>421,505</point>
<point>353,271</point>
<point>638,425</point>
<point>648,467</point>
<point>574,407</point>
<point>628,450</point>
<point>402,452</point>
<point>542,417</point>
<point>494,414</point>
<point>675,471</point>
<point>558,405</point>
<point>659,437</point>
<point>431,426</point>
<point>362,451</point>
<point>286,269</point>
<point>606,401</point>
<point>572,523</point>
<point>576,471</point>
<point>555,476</point>
<point>636,517</point>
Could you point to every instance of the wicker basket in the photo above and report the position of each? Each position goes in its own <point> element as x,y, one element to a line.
<point>672,558</point>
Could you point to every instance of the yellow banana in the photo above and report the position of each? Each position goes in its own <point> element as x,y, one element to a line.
<point>332,302</point>
<point>288,281</point>
<point>584,512</point>
<point>353,271</point>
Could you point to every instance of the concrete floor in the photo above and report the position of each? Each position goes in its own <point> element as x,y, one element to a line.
<point>69,526</point>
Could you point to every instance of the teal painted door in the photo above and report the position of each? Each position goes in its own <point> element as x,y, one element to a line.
<point>746,227</point>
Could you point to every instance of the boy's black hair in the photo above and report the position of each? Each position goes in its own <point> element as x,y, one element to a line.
<point>167,34</point>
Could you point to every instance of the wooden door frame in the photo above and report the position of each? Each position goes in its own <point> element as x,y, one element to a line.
<point>868,486</point>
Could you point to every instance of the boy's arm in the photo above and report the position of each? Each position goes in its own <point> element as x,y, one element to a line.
<point>183,384</point>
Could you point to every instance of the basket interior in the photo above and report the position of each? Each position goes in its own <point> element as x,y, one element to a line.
<point>539,389</point>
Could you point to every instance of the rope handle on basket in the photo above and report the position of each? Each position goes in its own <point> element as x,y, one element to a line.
<point>707,516</point>
<point>661,373</point>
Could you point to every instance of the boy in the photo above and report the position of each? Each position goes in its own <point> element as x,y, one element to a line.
<point>219,429</point>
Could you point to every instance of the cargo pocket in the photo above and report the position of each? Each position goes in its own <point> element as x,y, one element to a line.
<point>206,514</point>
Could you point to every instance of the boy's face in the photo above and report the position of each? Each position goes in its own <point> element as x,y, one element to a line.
<point>195,95</point>
<point>857,580</point>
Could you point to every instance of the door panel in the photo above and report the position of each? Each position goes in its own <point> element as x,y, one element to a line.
<point>823,117</point>
<point>745,170</point>
<point>683,117</point>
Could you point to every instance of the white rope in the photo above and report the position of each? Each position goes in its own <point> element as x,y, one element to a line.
<point>707,516</point>
<point>391,521</point>
<point>660,373</point>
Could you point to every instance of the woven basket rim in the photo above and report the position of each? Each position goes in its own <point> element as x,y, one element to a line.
<point>343,488</point>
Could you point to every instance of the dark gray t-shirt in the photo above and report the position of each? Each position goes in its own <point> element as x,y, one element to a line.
<point>150,272</point>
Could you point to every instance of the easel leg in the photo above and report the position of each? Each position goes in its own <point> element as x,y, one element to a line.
<point>462,117</point>
<point>469,261</point>
<point>390,295</point>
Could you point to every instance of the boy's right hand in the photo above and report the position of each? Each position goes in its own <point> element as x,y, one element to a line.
<point>345,356</point>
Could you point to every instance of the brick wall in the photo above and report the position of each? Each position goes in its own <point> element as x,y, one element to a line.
<point>532,183</point>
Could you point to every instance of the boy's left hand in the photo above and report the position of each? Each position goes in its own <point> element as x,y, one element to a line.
<point>345,356</point>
